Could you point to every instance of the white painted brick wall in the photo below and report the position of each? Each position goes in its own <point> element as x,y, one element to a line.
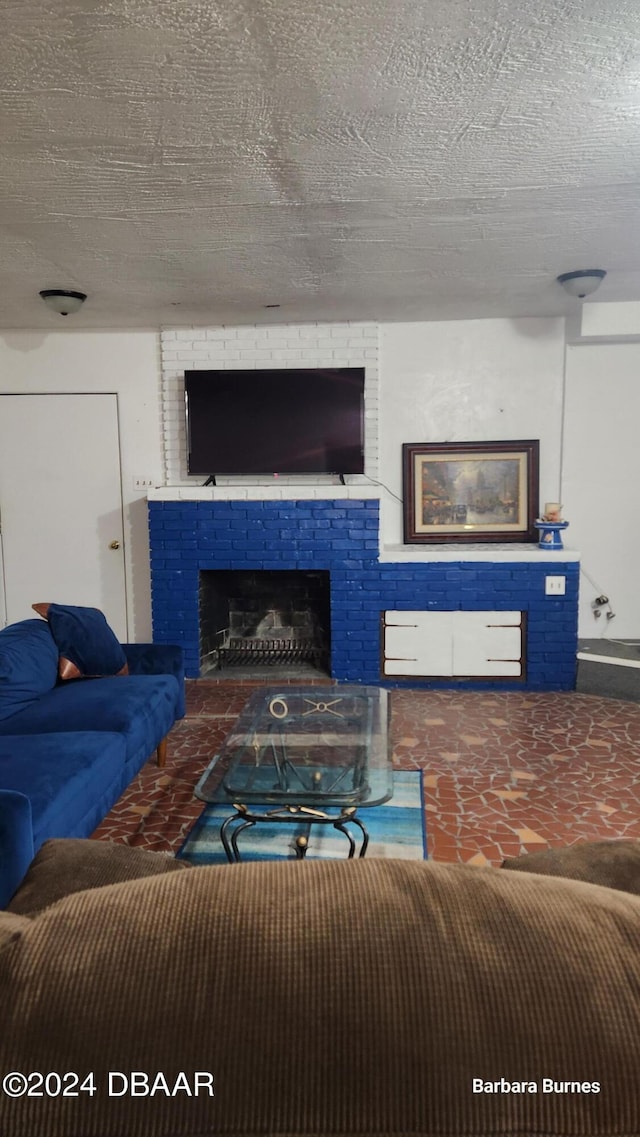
<point>283,345</point>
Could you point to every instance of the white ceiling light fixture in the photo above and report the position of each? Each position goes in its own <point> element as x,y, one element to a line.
<point>582,282</point>
<point>63,300</point>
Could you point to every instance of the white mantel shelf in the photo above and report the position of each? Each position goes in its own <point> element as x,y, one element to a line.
<point>280,492</point>
<point>500,551</point>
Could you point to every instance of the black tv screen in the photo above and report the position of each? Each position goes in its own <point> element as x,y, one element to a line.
<point>293,421</point>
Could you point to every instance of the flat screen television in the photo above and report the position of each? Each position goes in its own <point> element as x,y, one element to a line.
<point>290,421</point>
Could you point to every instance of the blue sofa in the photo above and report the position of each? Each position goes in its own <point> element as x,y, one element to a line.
<point>69,749</point>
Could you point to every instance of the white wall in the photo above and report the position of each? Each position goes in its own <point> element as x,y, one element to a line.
<point>601,481</point>
<point>470,380</point>
<point>129,364</point>
<point>250,347</point>
<point>475,380</point>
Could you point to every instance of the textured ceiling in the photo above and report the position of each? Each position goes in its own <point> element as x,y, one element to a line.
<point>196,161</point>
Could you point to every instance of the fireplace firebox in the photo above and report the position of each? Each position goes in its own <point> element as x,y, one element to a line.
<point>261,621</point>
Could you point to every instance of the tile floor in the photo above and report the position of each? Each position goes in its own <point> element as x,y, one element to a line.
<point>504,772</point>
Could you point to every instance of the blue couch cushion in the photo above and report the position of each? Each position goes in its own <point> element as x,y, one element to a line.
<point>28,665</point>
<point>141,707</point>
<point>16,841</point>
<point>86,643</point>
<point>158,659</point>
<point>61,775</point>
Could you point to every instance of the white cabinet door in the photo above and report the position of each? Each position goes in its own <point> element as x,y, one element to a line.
<point>487,643</point>
<point>418,643</point>
<point>61,505</point>
<point>449,644</point>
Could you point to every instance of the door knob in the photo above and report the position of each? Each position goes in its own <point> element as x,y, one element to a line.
<point>114,545</point>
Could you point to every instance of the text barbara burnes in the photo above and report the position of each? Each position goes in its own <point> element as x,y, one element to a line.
<point>544,1086</point>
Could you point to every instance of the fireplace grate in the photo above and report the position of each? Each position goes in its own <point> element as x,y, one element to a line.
<point>244,652</point>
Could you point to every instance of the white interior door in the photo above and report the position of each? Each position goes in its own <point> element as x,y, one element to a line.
<point>61,518</point>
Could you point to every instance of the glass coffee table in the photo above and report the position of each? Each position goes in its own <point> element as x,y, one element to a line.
<point>318,755</point>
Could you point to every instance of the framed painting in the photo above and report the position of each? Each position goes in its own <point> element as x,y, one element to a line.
<point>470,491</point>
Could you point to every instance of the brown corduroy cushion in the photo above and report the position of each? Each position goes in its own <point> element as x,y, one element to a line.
<point>11,928</point>
<point>340,997</point>
<point>614,864</point>
<point>65,865</point>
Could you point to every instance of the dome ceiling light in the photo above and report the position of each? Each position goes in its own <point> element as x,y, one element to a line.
<point>582,282</point>
<point>63,301</point>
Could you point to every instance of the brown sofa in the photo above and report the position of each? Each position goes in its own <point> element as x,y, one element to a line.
<point>345,998</point>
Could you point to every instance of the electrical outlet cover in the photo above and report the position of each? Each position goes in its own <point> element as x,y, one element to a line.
<point>555,585</point>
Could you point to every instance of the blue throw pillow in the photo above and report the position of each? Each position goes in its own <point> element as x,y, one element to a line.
<point>28,665</point>
<point>88,648</point>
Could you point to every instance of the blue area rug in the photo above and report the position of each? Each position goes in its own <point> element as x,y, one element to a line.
<point>396,829</point>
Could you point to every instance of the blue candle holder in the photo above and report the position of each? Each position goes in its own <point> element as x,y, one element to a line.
<point>550,533</point>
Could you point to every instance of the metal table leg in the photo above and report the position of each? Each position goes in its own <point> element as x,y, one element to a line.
<point>230,832</point>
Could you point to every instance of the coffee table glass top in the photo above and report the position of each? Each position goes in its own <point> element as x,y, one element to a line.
<point>305,745</point>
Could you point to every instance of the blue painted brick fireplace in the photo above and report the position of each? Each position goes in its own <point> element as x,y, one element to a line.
<point>341,536</point>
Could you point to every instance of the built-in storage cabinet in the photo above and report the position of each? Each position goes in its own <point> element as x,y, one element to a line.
<point>449,644</point>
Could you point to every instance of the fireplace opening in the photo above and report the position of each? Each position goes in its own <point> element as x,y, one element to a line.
<point>264,623</point>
